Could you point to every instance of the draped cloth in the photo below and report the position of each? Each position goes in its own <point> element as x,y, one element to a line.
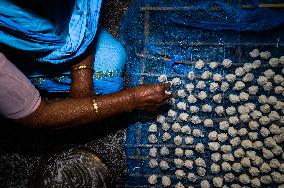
<point>53,31</point>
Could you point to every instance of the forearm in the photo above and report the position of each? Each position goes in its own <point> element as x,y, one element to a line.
<point>78,111</point>
<point>82,79</point>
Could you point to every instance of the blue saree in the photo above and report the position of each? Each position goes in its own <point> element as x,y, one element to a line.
<point>57,32</point>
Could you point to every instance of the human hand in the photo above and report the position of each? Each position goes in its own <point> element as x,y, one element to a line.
<point>151,97</point>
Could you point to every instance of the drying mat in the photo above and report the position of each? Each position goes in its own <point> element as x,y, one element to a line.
<point>155,48</point>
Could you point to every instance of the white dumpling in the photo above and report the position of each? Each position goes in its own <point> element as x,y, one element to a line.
<point>166,136</point>
<point>161,119</point>
<point>152,138</point>
<point>232,131</point>
<point>191,76</point>
<point>191,177</point>
<point>181,105</point>
<point>252,90</point>
<point>243,131</point>
<point>188,164</point>
<point>230,77</point>
<point>165,126</point>
<point>176,127</point>
<point>201,171</point>
<point>200,162</point>
<point>152,179</point>
<point>277,177</point>
<point>176,81</point>
<point>273,62</point>
<point>224,86</point>
<point>249,77</point>
<point>266,179</point>
<point>164,151</point>
<point>179,185</point>
<point>229,177</point>
<point>226,148</point>
<point>244,96</point>
<point>244,179</point>
<point>215,168</point>
<point>164,165</point>
<point>200,84</point>
<point>162,78</point>
<point>219,110</point>
<point>218,98</point>
<point>254,53</point>
<point>213,135</point>
<point>202,95</point>
<point>215,157</point>
<point>199,64</point>
<point>226,166</point>
<point>239,85</point>
<point>178,140</point>
<point>206,108</point>
<point>234,120</point>
<point>247,67</point>
<point>181,93</point>
<point>228,157</point>
<point>197,133</point>
<point>239,153</point>
<point>227,63</point>
<point>213,86</point>
<point>153,128</point>
<point>206,75</point>
<point>217,77</point>
<point>172,114</point>
<point>218,182</point>
<point>208,123</point>
<point>194,109</point>
<point>240,71</point>
<point>256,64</point>
<point>213,65</point>
<point>191,99</point>
<point>188,153</point>
<point>204,184</point>
<point>186,129</point>
<point>234,98</point>
<point>214,146</point>
<point>262,80</point>
<point>269,73</point>
<point>195,120</point>
<point>153,163</point>
<point>235,141</point>
<point>153,152</point>
<point>245,162</point>
<point>166,181</point>
<point>189,140</point>
<point>222,137</point>
<point>246,144</point>
<point>254,171</point>
<point>199,148</point>
<point>183,116</point>
<point>224,125</point>
<point>265,55</point>
<point>180,174</point>
<point>189,87</point>
<point>179,163</point>
<point>278,79</point>
<point>237,167</point>
<point>262,99</point>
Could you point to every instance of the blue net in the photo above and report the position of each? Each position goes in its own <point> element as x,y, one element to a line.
<point>168,37</point>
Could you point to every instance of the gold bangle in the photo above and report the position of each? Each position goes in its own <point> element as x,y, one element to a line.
<point>96,107</point>
<point>83,67</point>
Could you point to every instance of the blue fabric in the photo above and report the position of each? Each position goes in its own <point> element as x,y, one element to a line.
<point>109,57</point>
<point>52,38</point>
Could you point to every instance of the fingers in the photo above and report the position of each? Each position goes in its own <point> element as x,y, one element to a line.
<point>166,86</point>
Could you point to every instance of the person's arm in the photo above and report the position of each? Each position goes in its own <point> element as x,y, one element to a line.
<point>82,79</point>
<point>79,111</point>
